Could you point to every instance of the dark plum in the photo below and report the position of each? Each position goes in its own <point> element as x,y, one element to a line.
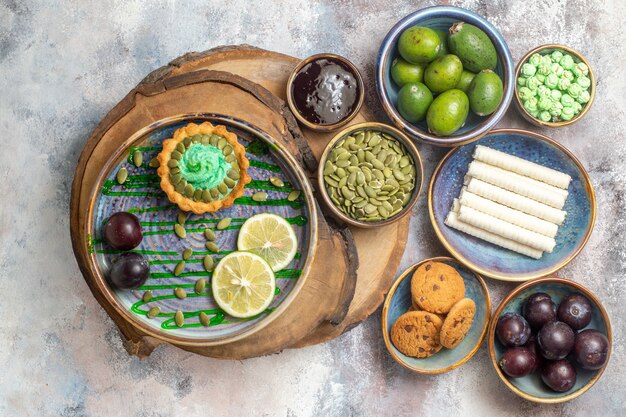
<point>539,309</point>
<point>512,330</point>
<point>131,270</point>
<point>575,311</point>
<point>518,361</point>
<point>591,349</point>
<point>559,375</point>
<point>556,340</point>
<point>122,231</point>
<point>533,346</point>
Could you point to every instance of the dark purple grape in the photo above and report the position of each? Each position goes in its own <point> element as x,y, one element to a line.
<point>556,340</point>
<point>533,346</point>
<point>131,270</point>
<point>539,309</point>
<point>559,375</point>
<point>518,361</point>
<point>122,231</point>
<point>575,311</point>
<point>512,330</point>
<point>591,349</point>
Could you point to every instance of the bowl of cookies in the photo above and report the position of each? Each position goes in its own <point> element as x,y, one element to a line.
<point>435,316</point>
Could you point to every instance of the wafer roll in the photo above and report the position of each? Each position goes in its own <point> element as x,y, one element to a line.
<point>504,179</point>
<point>522,166</point>
<point>508,214</point>
<point>517,202</point>
<point>506,230</point>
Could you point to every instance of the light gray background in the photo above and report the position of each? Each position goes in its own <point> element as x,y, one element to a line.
<point>64,65</point>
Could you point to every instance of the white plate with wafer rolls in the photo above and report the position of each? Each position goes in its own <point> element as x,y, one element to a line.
<point>514,205</point>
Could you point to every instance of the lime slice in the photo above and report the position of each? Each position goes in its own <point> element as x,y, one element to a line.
<point>243,284</point>
<point>271,237</point>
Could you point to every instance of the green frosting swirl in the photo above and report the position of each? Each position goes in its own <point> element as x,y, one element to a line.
<point>203,166</point>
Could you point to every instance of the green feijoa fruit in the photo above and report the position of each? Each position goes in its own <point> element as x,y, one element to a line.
<point>209,234</point>
<point>179,268</point>
<point>485,93</point>
<point>419,44</point>
<point>443,73</point>
<point>443,38</point>
<point>179,318</point>
<point>147,296</point>
<point>465,81</point>
<point>121,176</point>
<point>472,46</point>
<point>448,112</point>
<point>204,319</point>
<point>208,263</point>
<point>153,312</point>
<point>137,158</point>
<point>199,286</point>
<point>403,72</point>
<point>224,223</point>
<point>293,196</point>
<point>180,293</point>
<point>413,102</point>
<point>211,246</point>
<point>180,231</point>
<point>187,253</point>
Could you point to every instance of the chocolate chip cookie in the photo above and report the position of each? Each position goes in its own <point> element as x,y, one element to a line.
<point>436,287</point>
<point>417,334</point>
<point>457,323</point>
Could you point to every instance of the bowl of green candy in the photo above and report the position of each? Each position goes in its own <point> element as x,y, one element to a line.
<point>555,86</point>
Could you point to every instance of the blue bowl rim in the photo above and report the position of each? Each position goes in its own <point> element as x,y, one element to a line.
<point>513,277</point>
<point>492,329</point>
<point>469,17</point>
<point>407,273</point>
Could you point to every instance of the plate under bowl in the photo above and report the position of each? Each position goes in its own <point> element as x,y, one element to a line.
<point>493,261</point>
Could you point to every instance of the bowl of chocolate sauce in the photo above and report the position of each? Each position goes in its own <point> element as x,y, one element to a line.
<point>325,91</point>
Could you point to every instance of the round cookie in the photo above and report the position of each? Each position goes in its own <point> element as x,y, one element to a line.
<point>417,334</point>
<point>457,323</point>
<point>415,307</point>
<point>436,287</point>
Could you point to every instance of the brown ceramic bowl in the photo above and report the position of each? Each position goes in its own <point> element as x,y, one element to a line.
<point>342,122</point>
<point>411,150</point>
<point>578,58</point>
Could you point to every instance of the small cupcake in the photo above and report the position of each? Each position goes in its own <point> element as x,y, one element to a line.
<point>203,168</point>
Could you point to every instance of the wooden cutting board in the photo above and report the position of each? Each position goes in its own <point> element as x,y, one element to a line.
<point>249,83</point>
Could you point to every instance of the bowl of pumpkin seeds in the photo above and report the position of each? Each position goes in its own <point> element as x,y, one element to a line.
<point>370,175</point>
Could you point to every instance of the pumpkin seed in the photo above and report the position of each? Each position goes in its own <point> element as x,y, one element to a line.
<point>176,155</point>
<point>180,187</point>
<point>154,163</point>
<point>180,267</point>
<point>199,286</point>
<point>227,150</point>
<point>230,183</point>
<point>369,191</point>
<point>187,141</point>
<point>180,293</point>
<point>121,176</point>
<point>187,253</point>
<point>204,319</point>
<point>205,140</point>
<point>347,193</point>
<point>214,139</point>
<point>224,223</point>
<point>197,195</point>
<point>180,147</point>
<point>277,182</point>
<point>206,196</point>
<point>175,179</point>
<point>212,247</point>
<point>147,296</point>
<point>259,196</point>
<point>180,231</point>
<point>153,312</point>
<point>172,163</point>
<point>232,159</point>
<point>179,318</point>
<point>209,234</point>
<point>233,173</point>
<point>189,190</point>
<point>221,143</point>
<point>222,188</point>
<point>329,168</point>
<point>215,193</point>
<point>293,196</point>
<point>196,138</point>
<point>208,263</point>
<point>342,182</point>
<point>137,158</point>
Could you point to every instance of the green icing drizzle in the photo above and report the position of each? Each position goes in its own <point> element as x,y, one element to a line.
<point>203,166</point>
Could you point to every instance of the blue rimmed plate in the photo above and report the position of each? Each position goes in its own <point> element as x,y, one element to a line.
<point>493,261</point>
<point>398,302</point>
<point>142,196</point>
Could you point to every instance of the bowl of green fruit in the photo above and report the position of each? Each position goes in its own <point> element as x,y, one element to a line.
<point>445,75</point>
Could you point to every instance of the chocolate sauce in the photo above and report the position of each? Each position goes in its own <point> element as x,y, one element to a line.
<point>325,91</point>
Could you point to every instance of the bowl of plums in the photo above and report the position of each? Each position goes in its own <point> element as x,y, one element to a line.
<point>550,340</point>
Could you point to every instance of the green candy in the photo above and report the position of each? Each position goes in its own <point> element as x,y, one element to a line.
<point>540,77</point>
<point>581,69</point>
<point>534,113</point>
<point>556,94</point>
<point>567,100</point>
<point>521,81</point>
<point>584,97</point>
<point>567,62</point>
<point>543,69</point>
<point>533,83</point>
<point>544,103</point>
<point>552,80</point>
<point>567,113</point>
<point>525,93</point>
<point>577,107</point>
<point>535,59</point>
<point>531,104</point>
<point>556,55</point>
<point>574,90</point>
<point>545,116</point>
<point>556,69</point>
<point>546,60</point>
<point>584,82</point>
<point>543,91</point>
<point>556,109</point>
<point>528,70</point>
<point>568,74</point>
<point>564,84</point>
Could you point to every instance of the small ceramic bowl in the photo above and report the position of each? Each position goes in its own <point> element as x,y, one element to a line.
<point>294,108</point>
<point>441,18</point>
<point>398,302</point>
<point>531,387</point>
<point>411,150</point>
<point>577,58</point>
<point>491,260</point>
